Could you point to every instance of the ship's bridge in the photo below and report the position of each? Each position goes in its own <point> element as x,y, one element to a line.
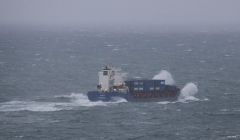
<point>110,80</point>
<point>106,79</point>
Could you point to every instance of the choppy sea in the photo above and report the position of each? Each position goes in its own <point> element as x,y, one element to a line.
<point>45,75</point>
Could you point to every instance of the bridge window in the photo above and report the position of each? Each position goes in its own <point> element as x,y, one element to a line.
<point>105,72</point>
<point>157,88</point>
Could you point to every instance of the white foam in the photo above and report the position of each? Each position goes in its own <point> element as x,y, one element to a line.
<point>224,110</point>
<point>188,50</point>
<point>82,100</point>
<point>29,106</point>
<point>205,99</point>
<point>108,45</point>
<point>166,102</point>
<point>188,92</point>
<point>165,75</point>
<point>180,44</point>
<point>79,99</point>
<point>233,137</point>
<point>37,54</point>
<point>116,49</point>
<point>227,55</point>
<point>76,100</point>
<point>228,93</point>
<point>21,136</point>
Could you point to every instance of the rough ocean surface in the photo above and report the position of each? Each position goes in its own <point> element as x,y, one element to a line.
<point>44,76</point>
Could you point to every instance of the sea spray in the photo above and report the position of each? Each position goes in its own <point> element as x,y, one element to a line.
<point>75,100</point>
<point>79,99</point>
<point>30,106</point>
<point>188,92</point>
<point>119,76</point>
<point>164,75</point>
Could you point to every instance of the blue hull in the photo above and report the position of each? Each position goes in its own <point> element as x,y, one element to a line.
<point>139,91</point>
<point>105,96</point>
<point>112,96</point>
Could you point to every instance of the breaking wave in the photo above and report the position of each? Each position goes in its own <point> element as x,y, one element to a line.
<point>75,100</point>
<point>188,93</point>
<point>164,75</point>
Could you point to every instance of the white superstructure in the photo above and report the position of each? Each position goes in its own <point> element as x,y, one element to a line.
<point>106,79</point>
<point>111,80</point>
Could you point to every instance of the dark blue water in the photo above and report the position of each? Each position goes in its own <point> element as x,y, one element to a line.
<point>44,76</point>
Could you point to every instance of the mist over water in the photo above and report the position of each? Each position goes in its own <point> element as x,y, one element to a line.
<point>51,52</point>
<point>45,75</point>
<point>107,14</point>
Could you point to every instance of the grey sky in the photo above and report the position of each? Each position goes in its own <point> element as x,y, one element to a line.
<point>134,12</point>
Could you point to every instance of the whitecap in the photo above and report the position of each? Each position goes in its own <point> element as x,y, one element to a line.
<point>234,137</point>
<point>29,106</point>
<point>21,136</point>
<point>166,102</point>
<point>75,100</point>
<point>205,99</point>
<point>37,54</point>
<point>226,93</point>
<point>188,50</point>
<point>188,93</point>
<point>115,49</point>
<point>224,110</point>
<point>79,99</point>
<point>108,45</point>
<point>227,55</point>
<point>180,44</point>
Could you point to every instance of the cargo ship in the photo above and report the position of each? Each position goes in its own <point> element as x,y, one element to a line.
<point>136,90</point>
